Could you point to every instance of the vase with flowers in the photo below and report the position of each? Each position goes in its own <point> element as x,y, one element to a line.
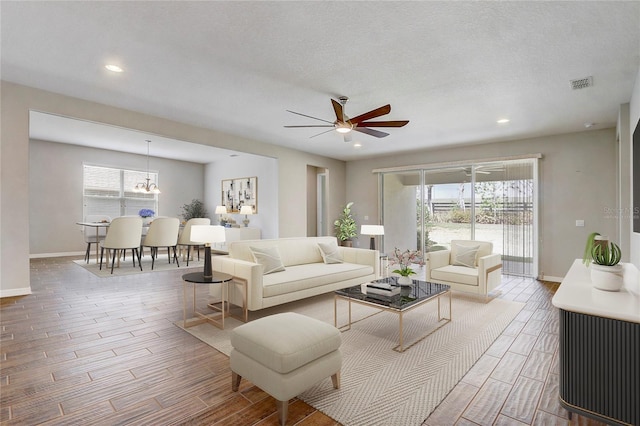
<point>145,214</point>
<point>405,260</point>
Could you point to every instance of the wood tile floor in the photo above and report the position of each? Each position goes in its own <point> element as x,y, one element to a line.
<point>89,350</point>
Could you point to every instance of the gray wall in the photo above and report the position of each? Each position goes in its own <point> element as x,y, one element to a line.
<point>55,195</point>
<point>577,181</point>
<point>634,176</point>
<point>266,170</point>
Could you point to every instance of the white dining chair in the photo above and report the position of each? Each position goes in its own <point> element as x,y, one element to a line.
<point>94,236</point>
<point>163,232</point>
<point>123,234</point>
<point>185,236</point>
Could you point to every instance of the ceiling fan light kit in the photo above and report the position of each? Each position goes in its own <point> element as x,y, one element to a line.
<point>343,124</point>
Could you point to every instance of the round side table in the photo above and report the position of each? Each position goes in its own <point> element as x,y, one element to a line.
<point>196,278</point>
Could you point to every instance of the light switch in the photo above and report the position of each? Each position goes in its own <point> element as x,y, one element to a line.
<point>366,218</point>
<point>580,222</point>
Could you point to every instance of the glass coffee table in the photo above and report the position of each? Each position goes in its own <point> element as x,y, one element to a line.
<point>399,300</point>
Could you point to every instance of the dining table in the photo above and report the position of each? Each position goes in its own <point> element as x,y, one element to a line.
<point>96,225</point>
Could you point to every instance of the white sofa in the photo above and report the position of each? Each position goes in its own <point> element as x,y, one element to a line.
<point>480,276</point>
<point>305,273</point>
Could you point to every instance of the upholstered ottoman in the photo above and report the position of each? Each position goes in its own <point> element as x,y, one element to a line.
<point>284,355</point>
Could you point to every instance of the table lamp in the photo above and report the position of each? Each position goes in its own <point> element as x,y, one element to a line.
<point>372,230</point>
<point>246,210</point>
<point>220,210</point>
<point>207,234</point>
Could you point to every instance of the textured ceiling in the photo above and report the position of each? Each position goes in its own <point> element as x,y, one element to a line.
<point>451,68</point>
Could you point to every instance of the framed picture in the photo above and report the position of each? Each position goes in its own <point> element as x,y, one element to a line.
<point>240,192</point>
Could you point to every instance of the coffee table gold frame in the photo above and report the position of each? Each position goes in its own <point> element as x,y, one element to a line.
<point>400,312</point>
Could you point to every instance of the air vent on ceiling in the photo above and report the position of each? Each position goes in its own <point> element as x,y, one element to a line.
<point>581,83</point>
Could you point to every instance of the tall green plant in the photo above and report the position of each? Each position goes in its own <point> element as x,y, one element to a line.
<point>194,209</point>
<point>345,225</point>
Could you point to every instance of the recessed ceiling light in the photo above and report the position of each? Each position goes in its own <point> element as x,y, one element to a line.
<point>357,145</point>
<point>503,121</point>
<point>113,68</point>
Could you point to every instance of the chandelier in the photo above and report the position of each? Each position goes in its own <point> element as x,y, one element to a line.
<point>147,187</point>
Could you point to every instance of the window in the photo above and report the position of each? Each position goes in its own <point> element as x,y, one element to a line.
<point>426,208</point>
<point>109,191</point>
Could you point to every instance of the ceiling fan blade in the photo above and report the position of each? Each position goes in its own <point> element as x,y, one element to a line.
<point>337,108</point>
<point>311,125</point>
<point>383,123</point>
<point>376,133</point>
<point>308,116</point>
<point>321,133</point>
<point>372,114</point>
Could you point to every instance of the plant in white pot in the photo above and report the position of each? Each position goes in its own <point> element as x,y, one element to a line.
<point>606,271</point>
<point>405,259</point>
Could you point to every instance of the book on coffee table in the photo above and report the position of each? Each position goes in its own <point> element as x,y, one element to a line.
<point>382,289</point>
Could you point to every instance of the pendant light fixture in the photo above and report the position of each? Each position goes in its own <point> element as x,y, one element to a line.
<point>147,187</point>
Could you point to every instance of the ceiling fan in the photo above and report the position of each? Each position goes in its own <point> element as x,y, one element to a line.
<point>343,124</point>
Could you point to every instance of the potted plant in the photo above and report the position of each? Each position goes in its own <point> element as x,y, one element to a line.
<point>194,209</point>
<point>345,226</point>
<point>405,259</point>
<point>606,271</point>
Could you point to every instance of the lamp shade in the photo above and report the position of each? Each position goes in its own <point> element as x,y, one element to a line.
<point>207,234</point>
<point>246,210</point>
<point>372,230</point>
<point>221,210</point>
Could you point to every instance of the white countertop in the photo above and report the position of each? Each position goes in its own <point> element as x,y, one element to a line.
<point>577,294</point>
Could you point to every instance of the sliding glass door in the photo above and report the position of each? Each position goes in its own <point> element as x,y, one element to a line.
<point>425,209</point>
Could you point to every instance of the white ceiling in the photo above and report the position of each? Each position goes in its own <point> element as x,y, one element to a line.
<point>451,68</point>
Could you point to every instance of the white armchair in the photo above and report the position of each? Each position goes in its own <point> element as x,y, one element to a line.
<point>469,266</point>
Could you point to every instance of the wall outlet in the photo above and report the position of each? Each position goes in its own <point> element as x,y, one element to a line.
<point>366,218</point>
<point>579,222</point>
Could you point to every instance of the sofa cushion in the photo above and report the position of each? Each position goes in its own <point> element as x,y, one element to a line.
<point>293,251</point>
<point>269,258</point>
<point>456,274</point>
<point>330,252</point>
<point>464,255</point>
<point>302,277</point>
<point>485,248</point>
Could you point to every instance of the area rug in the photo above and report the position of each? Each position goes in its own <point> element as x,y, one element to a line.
<point>380,386</point>
<point>127,268</point>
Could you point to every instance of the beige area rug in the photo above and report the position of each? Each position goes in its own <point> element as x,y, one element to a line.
<point>380,386</point>
<point>127,268</point>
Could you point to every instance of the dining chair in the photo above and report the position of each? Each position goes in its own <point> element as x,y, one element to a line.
<point>123,234</point>
<point>163,232</point>
<point>94,236</point>
<point>185,236</point>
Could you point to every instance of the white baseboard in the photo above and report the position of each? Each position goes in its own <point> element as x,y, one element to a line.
<point>63,254</point>
<point>13,292</point>
<point>552,279</point>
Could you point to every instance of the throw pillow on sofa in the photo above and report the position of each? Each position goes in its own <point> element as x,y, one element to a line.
<point>464,255</point>
<point>269,258</point>
<point>330,253</point>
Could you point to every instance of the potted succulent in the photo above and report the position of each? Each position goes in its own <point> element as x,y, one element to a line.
<point>345,226</point>
<point>604,257</point>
